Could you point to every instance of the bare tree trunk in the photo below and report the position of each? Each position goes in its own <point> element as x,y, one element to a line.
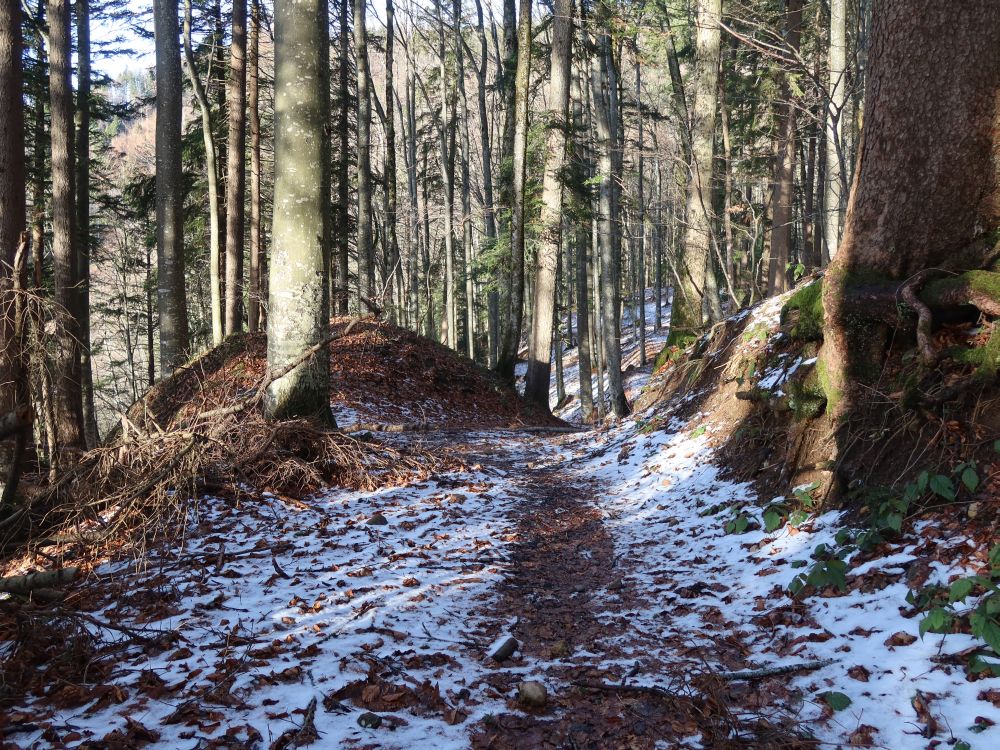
<point>641,220</point>
<point>536,387</point>
<point>413,256</point>
<point>69,399</point>
<point>836,184</point>
<point>364,241</point>
<point>470,320</point>
<point>391,241</point>
<point>235,169</point>
<point>171,297</point>
<point>13,391</point>
<point>604,84</point>
<point>83,215</point>
<point>299,310</point>
<point>688,315</point>
<point>782,194</point>
<point>512,333</point>
<point>256,296</point>
<point>211,174</point>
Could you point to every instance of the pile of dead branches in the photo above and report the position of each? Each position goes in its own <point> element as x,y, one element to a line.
<point>141,485</point>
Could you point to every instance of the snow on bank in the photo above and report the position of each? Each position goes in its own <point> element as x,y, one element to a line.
<point>280,602</point>
<point>719,599</point>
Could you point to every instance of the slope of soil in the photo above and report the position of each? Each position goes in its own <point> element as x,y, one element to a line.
<point>380,374</point>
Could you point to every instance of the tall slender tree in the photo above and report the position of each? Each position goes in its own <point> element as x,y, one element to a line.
<point>515,317</point>
<point>835,186</point>
<point>256,295</point>
<point>299,301</point>
<point>66,264</point>
<point>536,387</point>
<point>364,144</point>
<point>235,168</point>
<point>171,297</point>
<point>12,218</point>
<point>83,75</point>
<point>212,177</point>
<point>782,193</point>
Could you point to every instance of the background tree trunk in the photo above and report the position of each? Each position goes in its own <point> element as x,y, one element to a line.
<point>171,297</point>
<point>212,177</point>
<point>783,193</point>
<point>512,333</point>
<point>235,169</point>
<point>836,180</point>
<point>66,264</point>
<point>687,315</point>
<point>364,236</point>
<point>256,295</point>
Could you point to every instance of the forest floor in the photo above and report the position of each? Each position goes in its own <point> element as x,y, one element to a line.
<point>366,619</point>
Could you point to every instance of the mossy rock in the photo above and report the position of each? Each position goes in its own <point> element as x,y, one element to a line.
<point>808,303</point>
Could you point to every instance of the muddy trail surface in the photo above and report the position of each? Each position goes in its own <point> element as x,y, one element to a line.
<point>568,600</point>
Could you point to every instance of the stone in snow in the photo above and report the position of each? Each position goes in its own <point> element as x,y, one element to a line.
<point>503,648</point>
<point>532,693</point>
<point>378,520</point>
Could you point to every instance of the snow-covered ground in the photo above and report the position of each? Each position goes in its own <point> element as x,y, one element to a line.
<point>666,507</point>
<point>291,601</point>
<point>395,593</point>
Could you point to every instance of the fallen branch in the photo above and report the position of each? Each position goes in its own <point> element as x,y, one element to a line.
<point>757,674</point>
<point>43,579</point>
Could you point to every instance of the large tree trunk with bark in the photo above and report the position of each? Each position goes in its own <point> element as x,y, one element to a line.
<point>540,343</point>
<point>12,224</point>
<point>69,396</point>
<point>235,170</point>
<point>171,298</point>
<point>926,196</point>
<point>687,314</point>
<point>299,307</point>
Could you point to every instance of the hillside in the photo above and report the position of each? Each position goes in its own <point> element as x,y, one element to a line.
<point>662,594</point>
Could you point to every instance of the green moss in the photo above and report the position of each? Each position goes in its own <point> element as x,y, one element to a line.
<point>833,393</point>
<point>986,359</point>
<point>806,397</point>
<point>985,283</point>
<point>808,302</point>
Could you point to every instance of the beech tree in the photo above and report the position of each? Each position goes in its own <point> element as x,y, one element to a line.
<point>299,295</point>
<point>689,311</point>
<point>540,345</point>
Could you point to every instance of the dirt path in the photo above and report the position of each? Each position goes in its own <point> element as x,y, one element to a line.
<point>564,576</point>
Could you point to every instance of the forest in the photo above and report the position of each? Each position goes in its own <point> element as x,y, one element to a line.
<point>499,374</point>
